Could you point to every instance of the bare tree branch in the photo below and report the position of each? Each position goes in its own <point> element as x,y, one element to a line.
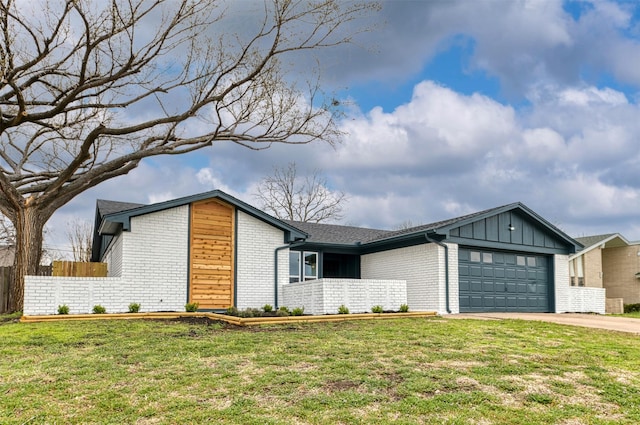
<point>90,88</point>
<point>288,197</point>
<point>80,237</point>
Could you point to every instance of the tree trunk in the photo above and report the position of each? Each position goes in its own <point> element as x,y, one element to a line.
<point>29,225</point>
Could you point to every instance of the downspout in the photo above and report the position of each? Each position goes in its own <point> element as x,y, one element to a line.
<point>275,278</point>
<point>446,269</point>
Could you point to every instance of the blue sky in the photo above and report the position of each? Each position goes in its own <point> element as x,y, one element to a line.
<point>455,107</point>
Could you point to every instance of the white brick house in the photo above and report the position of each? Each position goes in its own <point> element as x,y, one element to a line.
<point>218,251</point>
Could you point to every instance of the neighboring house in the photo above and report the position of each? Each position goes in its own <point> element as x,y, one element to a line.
<point>218,251</point>
<point>608,261</point>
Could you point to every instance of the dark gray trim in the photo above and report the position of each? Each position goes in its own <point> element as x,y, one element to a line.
<point>123,218</point>
<point>506,246</point>
<point>571,243</point>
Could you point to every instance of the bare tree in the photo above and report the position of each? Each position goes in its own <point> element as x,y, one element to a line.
<point>90,88</point>
<point>287,196</point>
<point>7,232</point>
<point>405,225</point>
<point>80,237</point>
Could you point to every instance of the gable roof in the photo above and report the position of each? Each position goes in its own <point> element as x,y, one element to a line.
<point>609,240</point>
<point>114,216</point>
<point>332,234</point>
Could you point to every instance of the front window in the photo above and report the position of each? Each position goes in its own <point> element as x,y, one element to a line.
<point>310,265</point>
<point>294,266</point>
<point>300,270</point>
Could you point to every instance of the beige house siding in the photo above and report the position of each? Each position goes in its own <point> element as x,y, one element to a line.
<point>593,268</point>
<point>619,267</point>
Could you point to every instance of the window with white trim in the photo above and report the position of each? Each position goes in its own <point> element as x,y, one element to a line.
<point>303,266</point>
<point>294,266</point>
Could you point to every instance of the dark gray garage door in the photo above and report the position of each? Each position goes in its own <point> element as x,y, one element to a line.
<point>503,281</point>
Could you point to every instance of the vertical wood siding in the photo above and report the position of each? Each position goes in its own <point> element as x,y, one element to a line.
<point>211,255</point>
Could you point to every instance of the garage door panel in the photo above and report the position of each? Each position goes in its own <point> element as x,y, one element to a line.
<point>488,286</point>
<point>476,302</point>
<point>475,271</point>
<point>502,281</point>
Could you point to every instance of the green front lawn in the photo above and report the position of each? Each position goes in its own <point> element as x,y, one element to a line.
<point>402,371</point>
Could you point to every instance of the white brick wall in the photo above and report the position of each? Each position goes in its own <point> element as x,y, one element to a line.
<point>587,300</point>
<point>113,257</point>
<point>153,273</point>
<point>575,299</point>
<point>561,283</point>
<point>422,267</point>
<point>43,294</point>
<point>156,258</point>
<point>325,296</point>
<point>256,244</point>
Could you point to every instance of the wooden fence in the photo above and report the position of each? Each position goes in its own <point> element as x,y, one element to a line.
<point>6,279</point>
<point>75,269</point>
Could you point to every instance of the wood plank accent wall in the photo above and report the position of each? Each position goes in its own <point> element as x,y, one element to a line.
<point>211,274</point>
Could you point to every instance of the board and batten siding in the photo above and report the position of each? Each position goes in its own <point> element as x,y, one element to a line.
<point>496,229</point>
<point>211,273</point>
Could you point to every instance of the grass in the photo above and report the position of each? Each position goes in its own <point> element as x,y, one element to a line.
<point>402,371</point>
<point>633,315</point>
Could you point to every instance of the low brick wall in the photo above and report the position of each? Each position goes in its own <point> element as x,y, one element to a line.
<point>614,306</point>
<point>586,300</point>
<point>43,295</point>
<point>324,296</point>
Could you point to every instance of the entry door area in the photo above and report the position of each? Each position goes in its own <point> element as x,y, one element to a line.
<point>503,281</point>
<point>211,255</point>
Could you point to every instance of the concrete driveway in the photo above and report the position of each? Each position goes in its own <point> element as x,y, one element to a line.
<point>611,323</point>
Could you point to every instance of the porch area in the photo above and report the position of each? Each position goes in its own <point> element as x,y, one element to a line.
<point>325,296</point>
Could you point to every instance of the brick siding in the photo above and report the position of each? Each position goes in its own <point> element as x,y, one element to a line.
<point>325,296</point>
<point>256,245</point>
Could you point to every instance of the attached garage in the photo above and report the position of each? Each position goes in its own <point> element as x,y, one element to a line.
<point>503,281</point>
<point>506,260</point>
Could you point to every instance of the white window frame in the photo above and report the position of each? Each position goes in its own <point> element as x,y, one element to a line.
<point>306,277</point>
<point>296,277</point>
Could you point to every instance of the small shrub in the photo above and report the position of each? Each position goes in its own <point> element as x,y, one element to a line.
<point>285,309</point>
<point>268,308</point>
<point>404,308</point>
<point>250,312</point>
<point>298,311</point>
<point>377,309</point>
<point>282,313</point>
<point>63,309</point>
<point>191,307</point>
<point>631,308</point>
<point>98,309</point>
<point>232,311</point>
<point>134,308</point>
<point>343,309</point>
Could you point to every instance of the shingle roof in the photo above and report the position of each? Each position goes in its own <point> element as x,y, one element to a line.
<point>333,233</point>
<point>337,234</point>
<point>109,207</point>
<point>438,224</point>
<point>587,241</point>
